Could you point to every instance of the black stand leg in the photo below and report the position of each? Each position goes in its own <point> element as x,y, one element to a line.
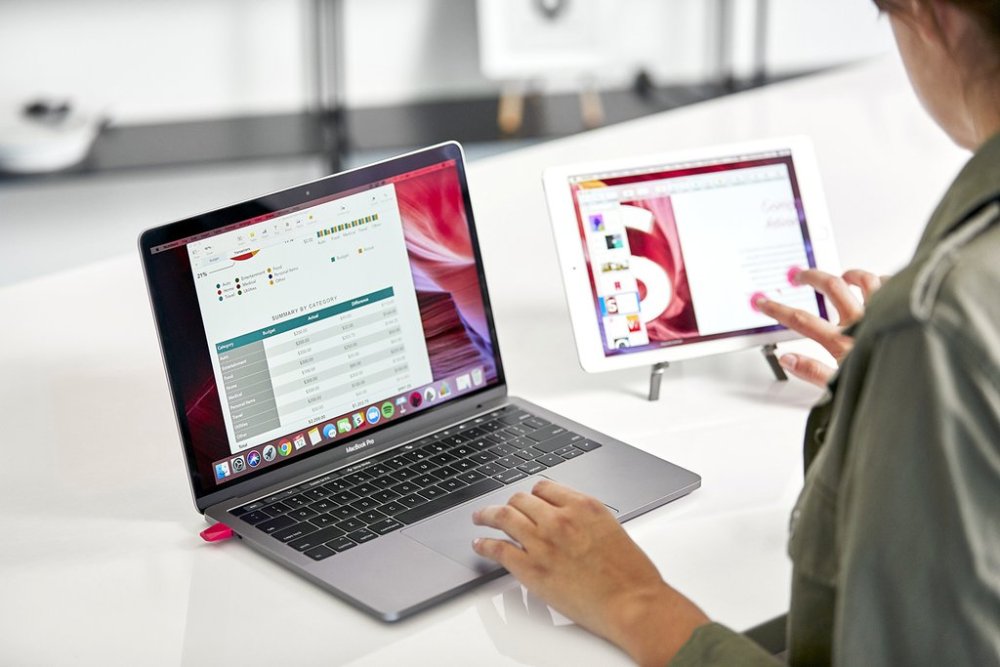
<point>772,360</point>
<point>655,375</point>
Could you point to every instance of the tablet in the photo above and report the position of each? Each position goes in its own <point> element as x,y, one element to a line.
<point>662,256</point>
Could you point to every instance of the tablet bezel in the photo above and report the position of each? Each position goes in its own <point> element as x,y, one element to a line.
<point>573,266</point>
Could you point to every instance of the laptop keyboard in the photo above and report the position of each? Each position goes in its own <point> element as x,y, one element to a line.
<point>336,512</point>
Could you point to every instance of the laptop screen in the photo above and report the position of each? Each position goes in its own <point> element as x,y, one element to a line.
<point>308,326</point>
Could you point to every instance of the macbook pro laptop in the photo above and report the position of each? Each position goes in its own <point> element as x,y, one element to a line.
<point>339,391</point>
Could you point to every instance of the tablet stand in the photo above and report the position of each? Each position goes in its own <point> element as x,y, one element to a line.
<point>656,372</point>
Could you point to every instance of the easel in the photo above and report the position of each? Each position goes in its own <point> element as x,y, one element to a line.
<point>656,372</point>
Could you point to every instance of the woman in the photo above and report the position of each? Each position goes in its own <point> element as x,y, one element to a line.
<point>895,539</point>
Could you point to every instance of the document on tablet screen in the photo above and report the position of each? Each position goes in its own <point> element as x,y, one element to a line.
<point>678,254</point>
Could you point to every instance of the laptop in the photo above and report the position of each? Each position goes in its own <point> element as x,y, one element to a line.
<point>339,391</point>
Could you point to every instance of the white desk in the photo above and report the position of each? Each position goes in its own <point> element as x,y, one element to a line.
<point>100,561</point>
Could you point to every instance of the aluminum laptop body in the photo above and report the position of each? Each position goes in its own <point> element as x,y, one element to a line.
<point>339,391</point>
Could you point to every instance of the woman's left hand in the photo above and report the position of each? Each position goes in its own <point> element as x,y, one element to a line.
<point>570,550</point>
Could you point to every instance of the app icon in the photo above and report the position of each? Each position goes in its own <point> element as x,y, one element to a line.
<point>253,458</point>
<point>445,390</point>
<point>477,376</point>
<point>416,398</point>
<point>314,438</point>
<point>299,440</point>
<point>284,448</point>
<point>358,419</point>
<point>330,430</point>
<point>430,394</point>
<point>388,409</point>
<point>270,453</point>
<point>463,382</point>
<point>344,425</point>
<point>222,470</point>
<point>373,415</point>
<point>238,464</point>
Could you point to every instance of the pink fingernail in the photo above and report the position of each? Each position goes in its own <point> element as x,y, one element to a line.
<point>756,299</point>
<point>793,275</point>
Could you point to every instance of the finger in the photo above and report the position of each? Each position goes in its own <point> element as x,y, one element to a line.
<point>532,506</point>
<point>508,554</point>
<point>508,519</point>
<point>807,369</point>
<point>555,493</point>
<point>835,289</point>
<point>807,324</point>
<point>866,281</point>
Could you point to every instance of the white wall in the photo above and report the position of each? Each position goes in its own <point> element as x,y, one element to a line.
<point>152,59</point>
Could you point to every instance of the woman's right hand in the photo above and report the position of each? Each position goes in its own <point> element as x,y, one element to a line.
<point>838,292</point>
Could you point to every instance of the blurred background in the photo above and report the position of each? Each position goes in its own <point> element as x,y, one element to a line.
<point>117,115</point>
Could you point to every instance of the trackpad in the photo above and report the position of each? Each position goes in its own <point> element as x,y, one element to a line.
<point>451,533</point>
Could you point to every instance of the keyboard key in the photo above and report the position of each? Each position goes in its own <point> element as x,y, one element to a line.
<point>519,429</point>
<point>365,504</point>
<point>384,482</point>
<point>431,492</point>
<point>392,508</point>
<point>280,495</point>
<point>298,500</point>
<point>293,532</point>
<point>471,476</point>
<point>483,457</point>
<point>379,469</point>
<point>424,481</point>
<point>514,418</point>
<point>396,463</point>
<point>462,451</point>
<point>337,485</point>
<point>502,450</point>
<point>322,521</point>
<point>255,517</point>
<point>512,461</point>
<point>317,493</point>
<point>442,459</point>
<point>464,464</point>
<point>480,444</point>
<point>350,525</point>
<point>276,509</point>
<point>423,467</point>
<point>510,476</point>
<point>343,512</point>
<point>445,472</point>
<point>302,513</point>
<point>412,500</point>
<point>436,448</point>
<point>358,477</point>
<point>587,445</point>
<point>364,489</point>
<point>448,500</point>
<point>362,536</point>
<point>384,496</point>
<point>316,538</point>
<point>344,497</point>
<point>405,488</point>
<point>277,523</point>
<point>530,467</point>
<point>536,422</point>
<point>404,474</point>
<point>528,454</point>
<point>386,526</point>
<point>550,460</point>
<point>341,544</point>
<point>558,442</point>
<point>451,484</point>
<point>320,552</point>
<point>324,505</point>
<point>572,453</point>
<point>491,469</point>
<point>371,516</point>
<point>546,432</point>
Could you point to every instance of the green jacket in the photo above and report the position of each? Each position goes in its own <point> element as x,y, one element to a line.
<point>895,539</point>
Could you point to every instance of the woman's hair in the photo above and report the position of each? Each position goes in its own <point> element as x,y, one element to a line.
<point>985,12</point>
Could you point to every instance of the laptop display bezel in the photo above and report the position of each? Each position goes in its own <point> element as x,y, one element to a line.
<point>387,435</point>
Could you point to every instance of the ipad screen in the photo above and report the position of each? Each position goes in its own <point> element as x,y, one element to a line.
<point>677,254</point>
